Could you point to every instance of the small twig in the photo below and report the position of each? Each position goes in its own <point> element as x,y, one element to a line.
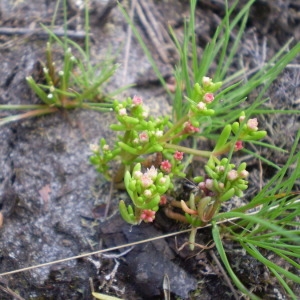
<point>203,247</point>
<point>41,33</point>
<point>214,257</point>
<point>118,255</point>
<point>11,293</point>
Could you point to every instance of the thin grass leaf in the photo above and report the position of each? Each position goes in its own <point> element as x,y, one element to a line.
<point>40,93</point>
<point>221,251</point>
<point>268,162</point>
<point>21,106</point>
<point>145,48</point>
<point>30,114</point>
<point>255,253</point>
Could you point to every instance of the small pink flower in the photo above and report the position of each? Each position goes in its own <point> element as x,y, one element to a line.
<point>137,174</point>
<point>122,112</point>
<point>221,185</point>
<point>137,101</point>
<point>163,200</point>
<point>206,81</point>
<point>238,146</point>
<point>162,180</point>
<point>208,97</point>
<point>252,124</point>
<point>209,184</point>
<point>144,138</point>
<point>201,106</point>
<point>178,155</point>
<point>241,119</point>
<point>152,172</point>
<point>202,185</point>
<point>243,174</point>
<point>147,193</point>
<point>232,175</point>
<point>220,169</point>
<point>148,215</point>
<point>146,181</point>
<point>189,128</point>
<point>166,166</point>
<point>158,133</point>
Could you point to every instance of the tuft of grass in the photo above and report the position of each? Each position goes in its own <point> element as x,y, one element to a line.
<point>71,83</point>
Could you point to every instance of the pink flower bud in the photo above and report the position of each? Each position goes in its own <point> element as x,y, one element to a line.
<point>209,184</point>
<point>166,166</point>
<point>147,193</point>
<point>146,181</point>
<point>252,124</point>
<point>178,155</point>
<point>122,112</point>
<point>158,133</point>
<point>201,106</point>
<point>162,180</point>
<point>144,138</point>
<point>163,200</point>
<point>152,172</point>
<point>206,81</point>
<point>189,128</point>
<point>202,185</point>
<point>243,174</point>
<point>232,175</point>
<point>137,174</point>
<point>241,119</point>
<point>137,101</point>
<point>220,169</point>
<point>148,215</point>
<point>238,146</point>
<point>208,97</point>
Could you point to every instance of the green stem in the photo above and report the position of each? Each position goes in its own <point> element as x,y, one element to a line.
<point>195,152</point>
<point>174,128</point>
<point>192,238</point>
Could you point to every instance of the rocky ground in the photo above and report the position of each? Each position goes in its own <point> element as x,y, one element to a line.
<point>52,200</point>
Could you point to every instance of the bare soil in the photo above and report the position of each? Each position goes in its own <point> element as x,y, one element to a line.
<point>52,200</point>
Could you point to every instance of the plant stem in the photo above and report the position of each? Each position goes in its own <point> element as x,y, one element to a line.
<point>29,114</point>
<point>195,152</point>
<point>174,128</point>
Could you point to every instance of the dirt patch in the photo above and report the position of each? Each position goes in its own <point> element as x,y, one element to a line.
<point>52,199</point>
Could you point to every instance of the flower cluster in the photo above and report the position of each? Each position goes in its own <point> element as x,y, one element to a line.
<point>145,190</point>
<point>222,183</point>
<point>143,133</point>
<point>243,132</point>
<point>204,96</point>
<point>247,131</point>
<point>224,180</point>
